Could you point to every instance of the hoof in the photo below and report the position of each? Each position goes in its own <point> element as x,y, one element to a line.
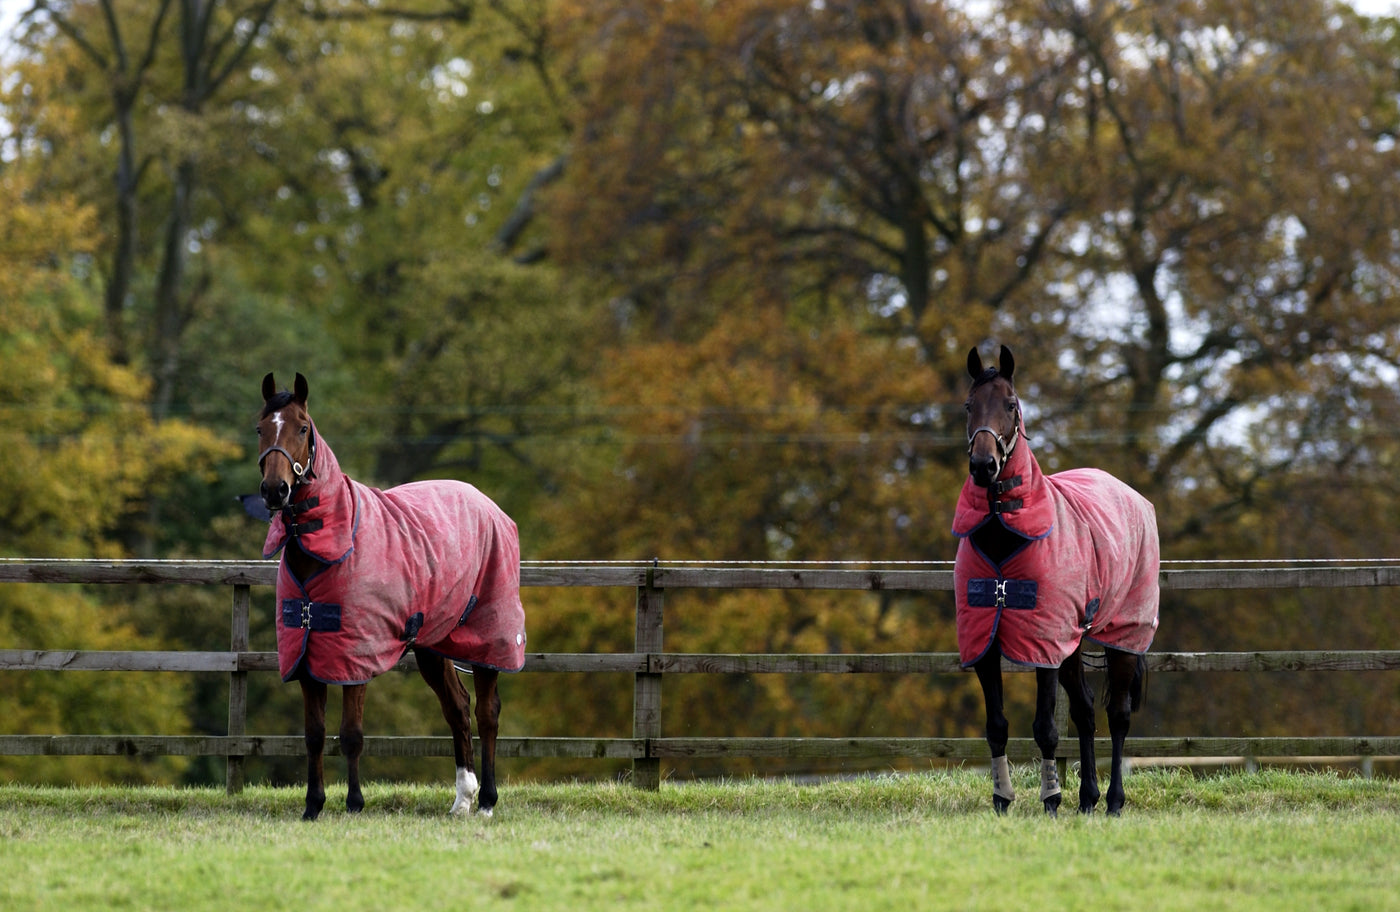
<point>487,813</point>
<point>313,808</point>
<point>1000,804</point>
<point>1052,806</point>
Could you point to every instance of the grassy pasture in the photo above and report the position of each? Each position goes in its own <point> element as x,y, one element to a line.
<point>1269,840</point>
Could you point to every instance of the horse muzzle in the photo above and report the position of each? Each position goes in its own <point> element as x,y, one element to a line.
<point>984,469</point>
<point>986,464</point>
<point>276,494</point>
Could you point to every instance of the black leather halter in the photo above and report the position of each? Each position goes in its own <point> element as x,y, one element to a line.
<point>303,473</point>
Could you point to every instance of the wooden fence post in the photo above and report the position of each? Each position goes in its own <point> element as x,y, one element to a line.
<point>646,694</point>
<point>238,686</point>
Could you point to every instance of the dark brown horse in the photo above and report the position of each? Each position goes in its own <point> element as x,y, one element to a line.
<point>1044,564</point>
<point>367,575</point>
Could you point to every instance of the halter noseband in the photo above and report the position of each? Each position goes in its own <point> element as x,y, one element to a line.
<point>1003,447</point>
<point>303,473</point>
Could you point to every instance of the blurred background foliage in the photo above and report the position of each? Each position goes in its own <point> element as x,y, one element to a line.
<point>696,280</point>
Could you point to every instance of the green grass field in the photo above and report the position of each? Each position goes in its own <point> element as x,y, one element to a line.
<point>1267,840</point>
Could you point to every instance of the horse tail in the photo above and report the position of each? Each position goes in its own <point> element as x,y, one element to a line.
<point>1137,691</point>
<point>1137,687</point>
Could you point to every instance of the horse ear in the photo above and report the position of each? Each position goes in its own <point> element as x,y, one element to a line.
<point>299,390</point>
<point>1008,363</point>
<point>974,363</point>
<point>269,387</point>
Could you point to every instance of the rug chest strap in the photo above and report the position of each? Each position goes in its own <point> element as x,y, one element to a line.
<point>291,511</point>
<point>995,504</point>
<point>308,615</point>
<point>988,592</point>
<point>1007,485</point>
<point>306,528</point>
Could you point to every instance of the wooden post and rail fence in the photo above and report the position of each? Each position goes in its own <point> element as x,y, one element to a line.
<point>650,664</point>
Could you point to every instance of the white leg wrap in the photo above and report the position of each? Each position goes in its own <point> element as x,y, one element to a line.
<point>467,788</point>
<point>1049,778</point>
<point>1001,778</point>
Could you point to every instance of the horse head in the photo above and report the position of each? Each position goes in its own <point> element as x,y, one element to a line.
<point>993,417</point>
<point>286,442</point>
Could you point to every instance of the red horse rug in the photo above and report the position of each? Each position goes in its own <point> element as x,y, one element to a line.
<point>434,564</point>
<point>1088,568</point>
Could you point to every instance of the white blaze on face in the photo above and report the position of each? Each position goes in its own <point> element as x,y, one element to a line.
<point>277,423</point>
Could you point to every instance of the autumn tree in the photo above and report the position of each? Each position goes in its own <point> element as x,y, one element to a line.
<point>697,280</point>
<point>1244,232</point>
<point>81,452</point>
<point>333,188</point>
<point>1192,259</point>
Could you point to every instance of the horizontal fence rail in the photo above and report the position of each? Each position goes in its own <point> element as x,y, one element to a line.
<point>933,576</point>
<point>649,663</point>
<point>708,663</point>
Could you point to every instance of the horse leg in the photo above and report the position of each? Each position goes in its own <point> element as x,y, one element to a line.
<point>1081,713</point>
<point>988,670</point>
<point>313,703</point>
<point>1047,738</point>
<point>352,742</point>
<point>488,716</point>
<point>452,697</point>
<point>1123,672</point>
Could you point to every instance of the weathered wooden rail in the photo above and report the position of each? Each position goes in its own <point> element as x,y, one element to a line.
<point>649,664</point>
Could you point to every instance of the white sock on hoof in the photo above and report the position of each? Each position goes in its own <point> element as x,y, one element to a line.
<point>467,788</point>
<point>1049,778</point>
<point>1001,778</point>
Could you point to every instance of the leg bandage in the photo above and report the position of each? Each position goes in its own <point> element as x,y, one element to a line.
<point>1001,778</point>
<point>1049,778</point>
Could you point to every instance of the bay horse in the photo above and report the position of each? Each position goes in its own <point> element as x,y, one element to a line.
<point>367,575</point>
<point>1046,563</point>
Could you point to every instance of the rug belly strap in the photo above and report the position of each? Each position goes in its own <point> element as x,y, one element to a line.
<point>411,629</point>
<point>1002,593</point>
<point>308,615</point>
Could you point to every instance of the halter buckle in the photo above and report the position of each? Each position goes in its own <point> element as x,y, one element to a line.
<point>1003,448</point>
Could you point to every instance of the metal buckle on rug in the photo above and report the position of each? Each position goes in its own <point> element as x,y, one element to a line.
<point>308,615</point>
<point>1016,594</point>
